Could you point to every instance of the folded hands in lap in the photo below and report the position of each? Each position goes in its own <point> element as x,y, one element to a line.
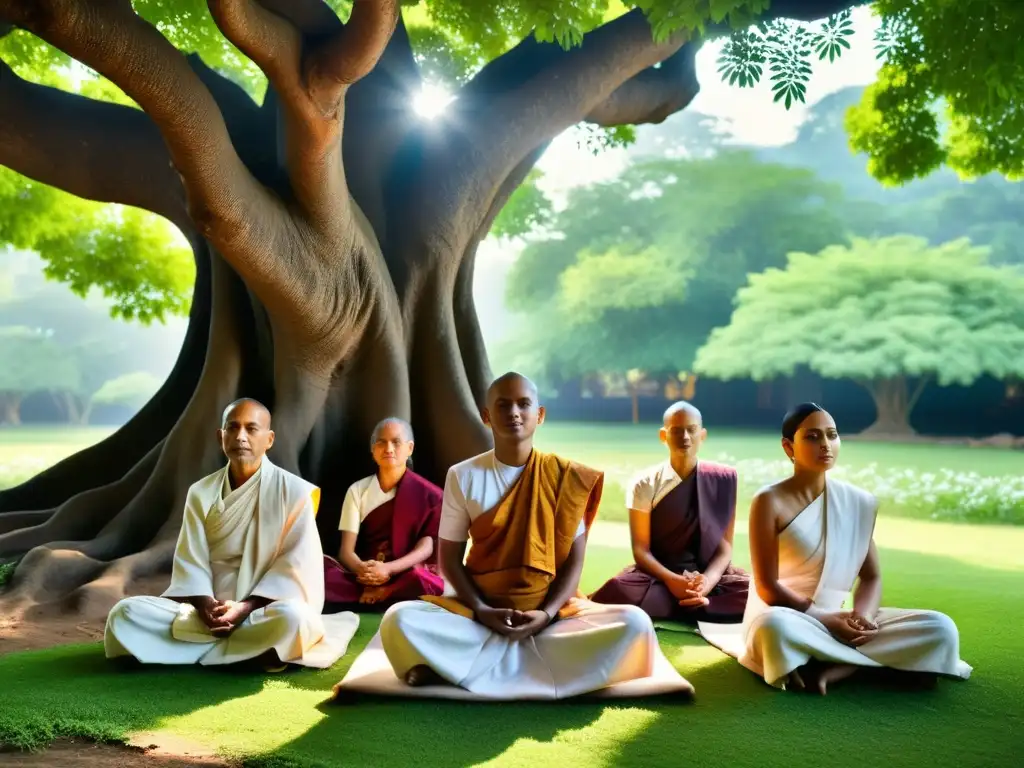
<point>690,589</point>
<point>513,624</point>
<point>373,573</point>
<point>850,627</point>
<point>222,616</point>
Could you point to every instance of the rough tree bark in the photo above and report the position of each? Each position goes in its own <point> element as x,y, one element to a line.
<point>334,237</point>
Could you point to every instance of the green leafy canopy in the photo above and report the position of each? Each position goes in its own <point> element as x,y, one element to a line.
<point>645,265</point>
<point>962,56</point>
<point>876,310</point>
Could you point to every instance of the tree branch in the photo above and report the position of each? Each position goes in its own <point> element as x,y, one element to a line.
<point>310,74</point>
<point>271,41</point>
<point>311,17</point>
<point>252,130</point>
<point>346,57</point>
<point>229,207</point>
<point>93,149</point>
<point>537,90</point>
<point>654,94</point>
<point>568,84</point>
<point>530,95</point>
<point>311,152</point>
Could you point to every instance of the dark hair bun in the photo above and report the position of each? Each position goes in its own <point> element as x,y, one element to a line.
<point>796,416</point>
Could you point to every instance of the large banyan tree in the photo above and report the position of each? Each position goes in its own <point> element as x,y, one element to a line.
<point>333,230</point>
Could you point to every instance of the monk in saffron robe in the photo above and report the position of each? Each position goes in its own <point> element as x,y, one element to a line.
<point>516,626</point>
<point>682,514</point>
<point>811,538</point>
<point>247,578</point>
<point>388,529</point>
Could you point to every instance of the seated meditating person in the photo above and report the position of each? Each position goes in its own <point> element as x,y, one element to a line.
<point>682,513</point>
<point>516,627</point>
<point>388,530</point>
<point>247,578</point>
<point>811,538</point>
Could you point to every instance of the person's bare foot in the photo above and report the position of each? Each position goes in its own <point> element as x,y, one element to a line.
<point>421,675</point>
<point>796,679</point>
<point>372,595</point>
<point>833,673</point>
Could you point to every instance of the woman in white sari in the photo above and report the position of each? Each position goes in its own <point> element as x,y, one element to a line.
<point>811,538</point>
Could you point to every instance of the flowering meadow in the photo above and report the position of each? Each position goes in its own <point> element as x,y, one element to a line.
<point>944,494</point>
<point>939,483</point>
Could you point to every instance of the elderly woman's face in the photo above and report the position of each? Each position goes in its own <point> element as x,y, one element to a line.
<point>392,448</point>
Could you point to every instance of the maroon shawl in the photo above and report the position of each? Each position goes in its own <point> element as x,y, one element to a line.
<point>417,514</point>
<point>716,506</point>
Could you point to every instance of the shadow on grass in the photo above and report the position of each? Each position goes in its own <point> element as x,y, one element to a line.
<point>736,719</point>
<point>73,691</point>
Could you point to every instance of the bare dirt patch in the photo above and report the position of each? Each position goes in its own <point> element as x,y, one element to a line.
<point>74,754</point>
<point>36,629</point>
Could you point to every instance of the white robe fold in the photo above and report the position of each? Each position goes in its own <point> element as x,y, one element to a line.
<point>599,649</point>
<point>259,540</point>
<point>821,553</point>
<point>606,651</point>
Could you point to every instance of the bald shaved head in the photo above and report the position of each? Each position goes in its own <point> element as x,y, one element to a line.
<point>683,433</point>
<point>242,401</point>
<point>513,409</point>
<point>511,378</point>
<point>245,435</point>
<point>681,407</point>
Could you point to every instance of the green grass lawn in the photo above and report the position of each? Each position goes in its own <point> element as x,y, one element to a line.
<point>736,721</point>
<point>26,451</point>
<point>973,572</point>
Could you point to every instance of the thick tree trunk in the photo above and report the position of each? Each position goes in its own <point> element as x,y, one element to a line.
<point>75,412</point>
<point>334,235</point>
<point>11,405</point>
<point>893,405</point>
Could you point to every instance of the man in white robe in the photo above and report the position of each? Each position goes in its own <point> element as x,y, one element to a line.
<point>518,629</point>
<point>247,579</point>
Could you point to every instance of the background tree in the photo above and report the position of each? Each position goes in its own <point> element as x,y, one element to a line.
<point>640,269</point>
<point>138,261</point>
<point>949,90</point>
<point>940,207</point>
<point>132,390</point>
<point>891,314</point>
<point>99,347</point>
<point>334,233</point>
<point>32,362</point>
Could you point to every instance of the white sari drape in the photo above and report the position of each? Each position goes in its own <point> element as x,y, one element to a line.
<point>821,553</point>
<point>259,540</point>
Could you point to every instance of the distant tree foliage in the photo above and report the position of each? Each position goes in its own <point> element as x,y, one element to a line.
<point>891,314</point>
<point>641,268</point>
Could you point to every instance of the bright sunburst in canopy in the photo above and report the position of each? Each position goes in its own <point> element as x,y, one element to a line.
<point>432,101</point>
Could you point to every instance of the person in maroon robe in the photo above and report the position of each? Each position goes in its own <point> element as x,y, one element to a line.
<point>388,526</point>
<point>682,514</point>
